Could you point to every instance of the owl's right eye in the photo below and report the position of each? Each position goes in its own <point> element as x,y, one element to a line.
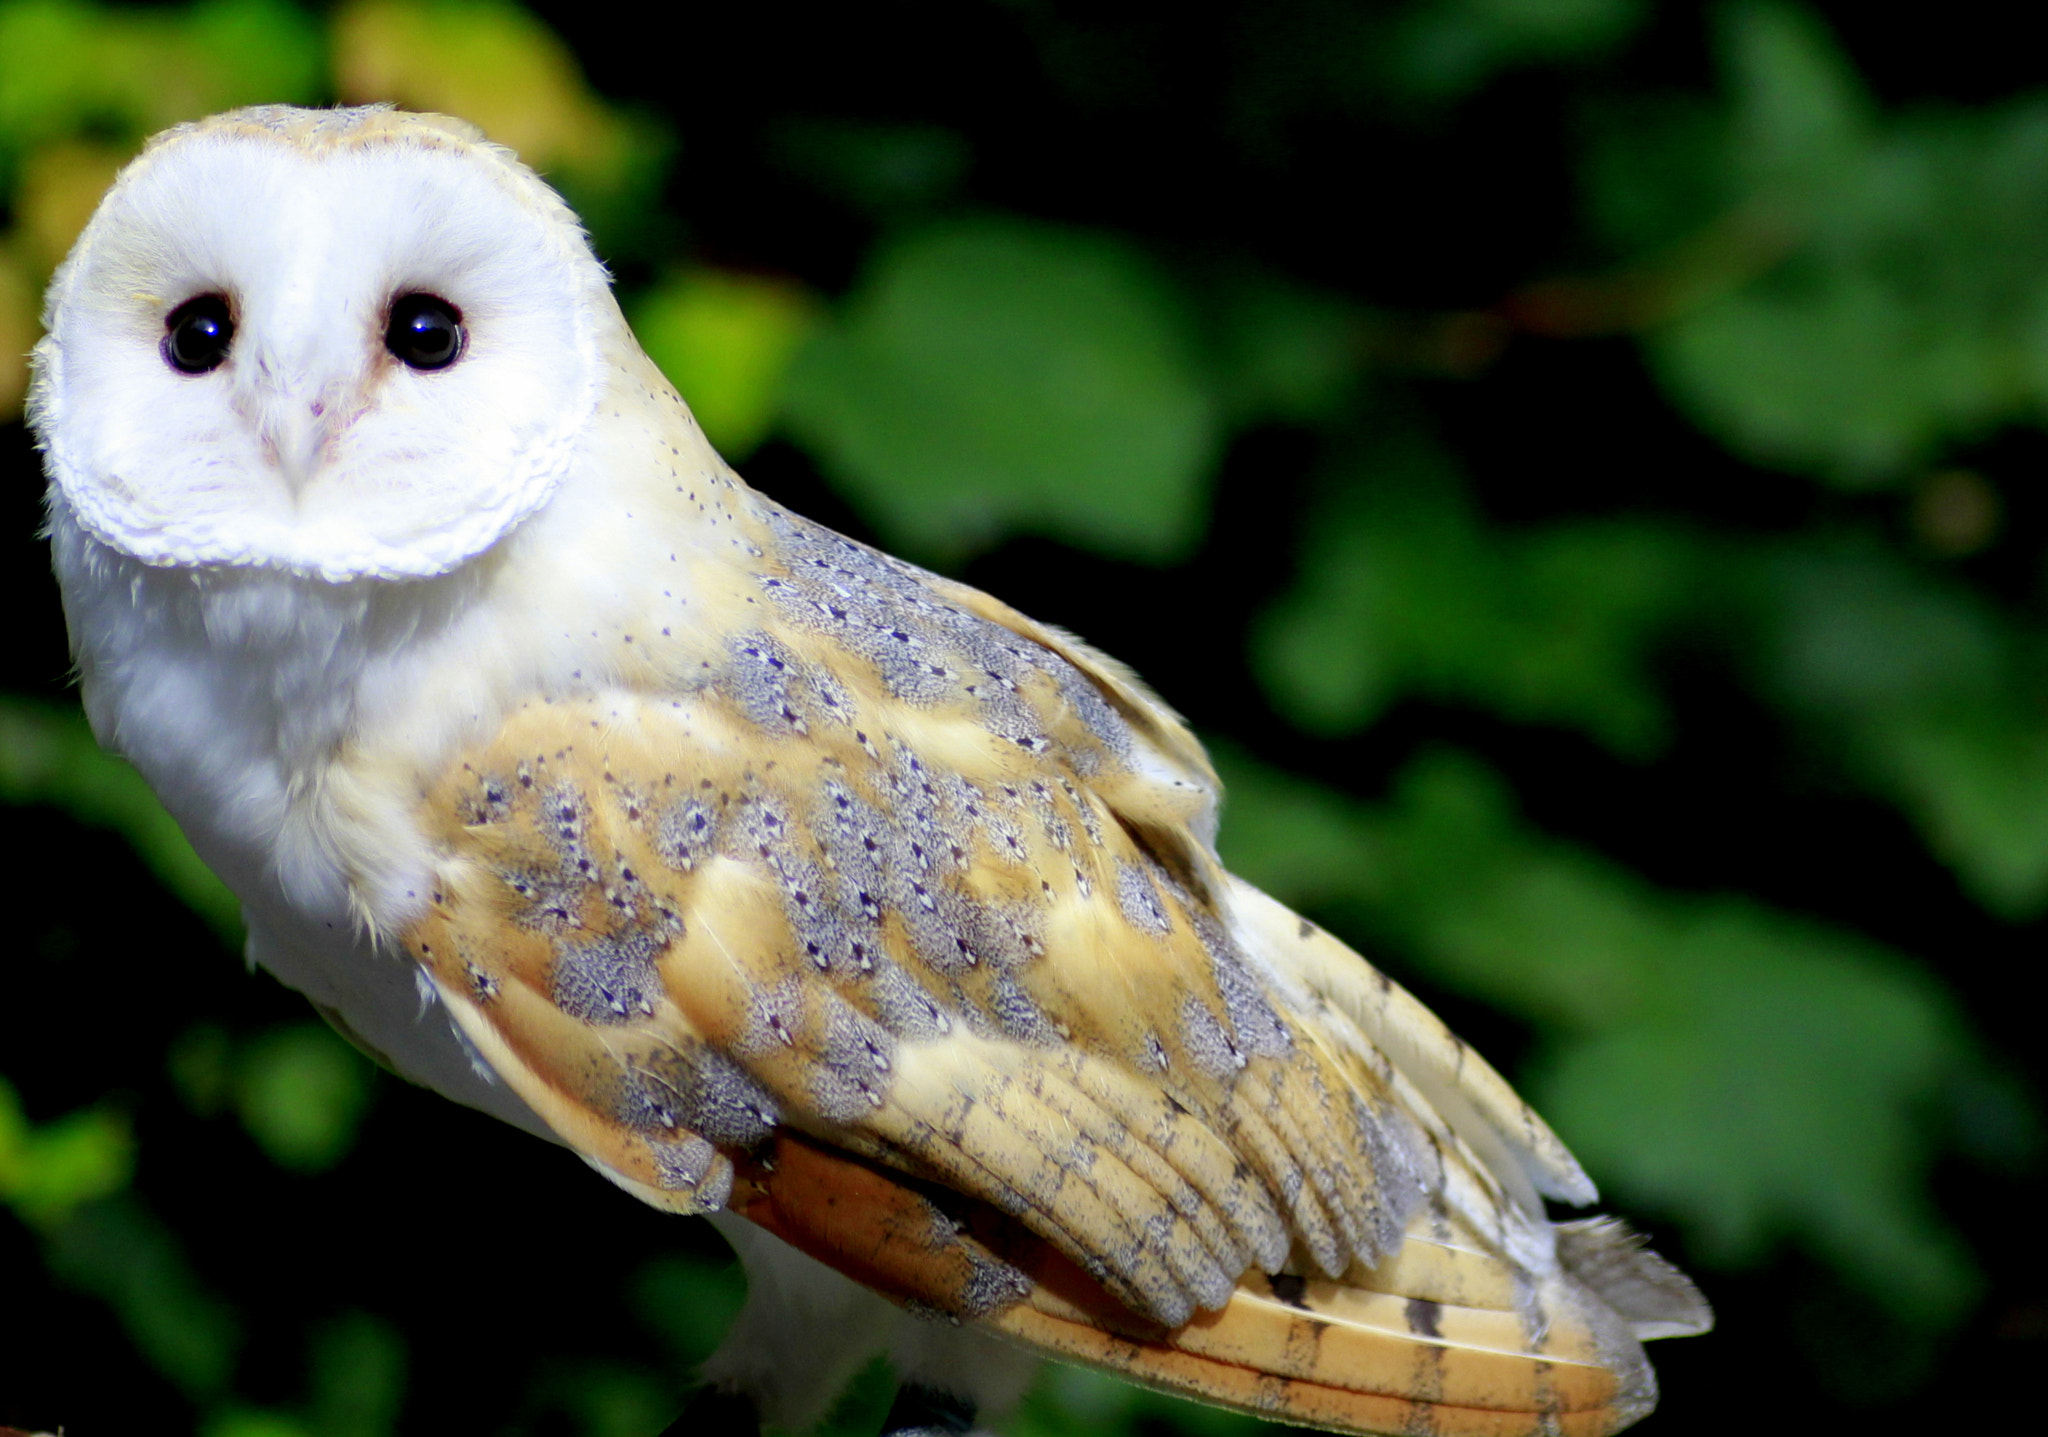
<point>197,335</point>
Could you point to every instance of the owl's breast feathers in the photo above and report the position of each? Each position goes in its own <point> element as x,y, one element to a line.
<point>887,918</point>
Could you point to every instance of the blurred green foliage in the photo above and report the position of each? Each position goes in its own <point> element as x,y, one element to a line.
<point>1909,306</point>
<point>1404,589</point>
<point>48,1170</point>
<point>301,1092</point>
<point>990,376</point>
<point>1618,605</point>
<point>727,341</point>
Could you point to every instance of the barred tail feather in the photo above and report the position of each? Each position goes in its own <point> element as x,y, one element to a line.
<point>1443,1337</point>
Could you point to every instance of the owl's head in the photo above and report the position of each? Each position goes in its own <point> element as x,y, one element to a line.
<point>345,344</point>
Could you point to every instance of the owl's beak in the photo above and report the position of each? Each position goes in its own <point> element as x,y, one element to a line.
<point>297,431</point>
<point>296,400</point>
<point>298,438</point>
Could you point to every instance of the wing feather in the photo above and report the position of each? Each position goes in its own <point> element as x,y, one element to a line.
<point>896,923</point>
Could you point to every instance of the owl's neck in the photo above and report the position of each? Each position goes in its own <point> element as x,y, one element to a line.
<point>288,722</point>
<point>232,690</point>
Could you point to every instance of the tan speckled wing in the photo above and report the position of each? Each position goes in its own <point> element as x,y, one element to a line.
<point>894,926</point>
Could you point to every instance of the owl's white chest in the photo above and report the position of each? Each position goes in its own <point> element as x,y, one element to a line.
<point>288,724</point>
<point>231,694</point>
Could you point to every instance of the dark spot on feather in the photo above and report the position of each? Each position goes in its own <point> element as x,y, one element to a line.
<point>1292,1289</point>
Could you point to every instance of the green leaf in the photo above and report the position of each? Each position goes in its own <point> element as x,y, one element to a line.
<point>48,1170</point>
<point>239,1421</point>
<point>1912,311</point>
<point>1928,696</point>
<point>726,342</point>
<point>117,1251</point>
<point>689,1304</point>
<point>200,1062</point>
<point>358,1377</point>
<point>1448,48</point>
<point>65,65</point>
<point>1295,839</point>
<point>1800,111</point>
<point>862,1405</point>
<point>881,169</point>
<point>1282,352</point>
<point>47,61</point>
<point>1653,171</point>
<point>1542,929</point>
<point>254,52</point>
<point>996,376</point>
<point>301,1093</point>
<point>1777,1080</point>
<point>606,1400</point>
<point>1851,631</point>
<point>1403,591</point>
<point>1975,780</point>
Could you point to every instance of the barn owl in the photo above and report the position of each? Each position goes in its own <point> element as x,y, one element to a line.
<point>784,882</point>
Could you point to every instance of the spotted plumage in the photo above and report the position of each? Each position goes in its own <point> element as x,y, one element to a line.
<point>778,878</point>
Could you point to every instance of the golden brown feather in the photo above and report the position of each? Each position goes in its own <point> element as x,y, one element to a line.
<point>898,917</point>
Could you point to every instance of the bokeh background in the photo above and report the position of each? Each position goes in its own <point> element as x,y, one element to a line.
<point>1579,462</point>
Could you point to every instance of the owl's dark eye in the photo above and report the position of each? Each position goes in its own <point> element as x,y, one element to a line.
<point>197,334</point>
<point>425,331</point>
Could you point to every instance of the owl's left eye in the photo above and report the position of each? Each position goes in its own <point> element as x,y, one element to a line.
<point>425,332</point>
<point>197,335</point>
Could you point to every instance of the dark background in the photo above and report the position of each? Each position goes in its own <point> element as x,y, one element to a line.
<point>1579,463</point>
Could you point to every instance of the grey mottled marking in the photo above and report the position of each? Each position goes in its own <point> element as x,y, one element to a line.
<point>998,815</point>
<point>921,811</point>
<point>1393,1149</point>
<point>1208,1046</point>
<point>686,833</point>
<point>854,1066</point>
<point>902,1005</point>
<point>1091,822</point>
<point>564,821</point>
<point>859,844</point>
<point>991,1286</point>
<point>827,942</point>
<point>682,1164</point>
<point>606,980</point>
<point>1088,704</point>
<point>548,902</point>
<point>489,802</point>
<point>1140,901</point>
<point>834,702</point>
<point>631,902</point>
<point>807,892</point>
<point>924,648</point>
<point>762,677</point>
<point>630,802</point>
<point>758,828</point>
<point>1016,1015</point>
<point>941,923</point>
<point>1259,1029</point>
<point>700,1089</point>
